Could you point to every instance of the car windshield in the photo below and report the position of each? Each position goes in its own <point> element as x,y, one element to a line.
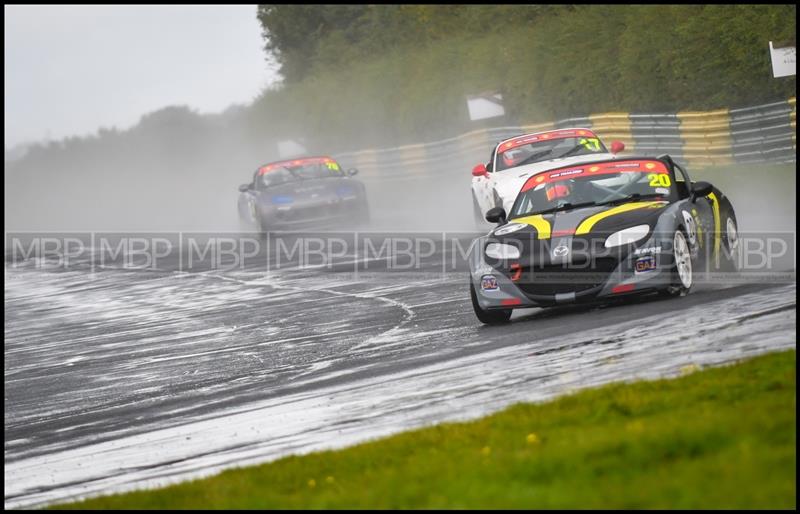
<point>544,150</point>
<point>602,184</point>
<point>291,171</point>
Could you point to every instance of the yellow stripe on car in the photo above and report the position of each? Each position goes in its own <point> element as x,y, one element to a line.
<point>586,225</point>
<point>538,222</point>
<point>715,209</point>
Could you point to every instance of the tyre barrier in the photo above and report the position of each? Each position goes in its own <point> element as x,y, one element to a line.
<point>760,134</point>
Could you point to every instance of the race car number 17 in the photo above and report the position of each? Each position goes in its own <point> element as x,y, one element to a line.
<point>591,143</point>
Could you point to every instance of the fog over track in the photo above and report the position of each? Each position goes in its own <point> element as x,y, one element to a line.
<point>122,378</point>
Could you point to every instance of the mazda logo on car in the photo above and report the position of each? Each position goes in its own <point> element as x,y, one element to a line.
<point>560,251</point>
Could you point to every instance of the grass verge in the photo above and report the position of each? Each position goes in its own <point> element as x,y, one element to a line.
<point>718,438</point>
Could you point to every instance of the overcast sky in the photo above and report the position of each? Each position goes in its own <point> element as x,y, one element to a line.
<point>70,70</point>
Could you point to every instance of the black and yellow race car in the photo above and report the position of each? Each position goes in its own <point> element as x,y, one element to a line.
<point>598,230</point>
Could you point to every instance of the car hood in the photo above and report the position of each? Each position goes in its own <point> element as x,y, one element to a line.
<point>589,226</point>
<point>509,182</point>
<point>309,191</point>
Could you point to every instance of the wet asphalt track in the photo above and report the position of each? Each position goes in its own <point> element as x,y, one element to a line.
<point>120,378</point>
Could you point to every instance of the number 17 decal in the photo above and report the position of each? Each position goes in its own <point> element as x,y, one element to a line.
<point>591,143</point>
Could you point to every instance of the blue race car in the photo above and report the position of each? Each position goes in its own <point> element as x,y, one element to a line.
<point>302,193</point>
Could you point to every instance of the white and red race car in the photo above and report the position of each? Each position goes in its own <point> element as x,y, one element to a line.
<point>514,160</point>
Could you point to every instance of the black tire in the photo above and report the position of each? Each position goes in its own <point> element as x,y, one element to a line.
<point>729,260</point>
<point>494,317</point>
<point>680,282</point>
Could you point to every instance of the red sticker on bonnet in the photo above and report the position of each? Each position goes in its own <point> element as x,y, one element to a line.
<point>293,162</point>
<point>604,168</point>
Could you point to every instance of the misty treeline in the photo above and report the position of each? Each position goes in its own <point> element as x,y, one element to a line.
<point>404,71</point>
<point>370,76</point>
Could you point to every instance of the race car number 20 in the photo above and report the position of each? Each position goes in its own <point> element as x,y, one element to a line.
<point>659,180</point>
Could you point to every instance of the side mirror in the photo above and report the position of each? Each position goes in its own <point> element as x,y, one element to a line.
<point>617,147</point>
<point>479,170</point>
<point>700,189</point>
<point>352,171</point>
<point>244,187</point>
<point>496,215</point>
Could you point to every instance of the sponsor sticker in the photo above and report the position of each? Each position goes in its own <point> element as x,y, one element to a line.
<point>568,172</point>
<point>645,264</point>
<point>489,283</point>
<point>647,250</point>
<point>522,140</point>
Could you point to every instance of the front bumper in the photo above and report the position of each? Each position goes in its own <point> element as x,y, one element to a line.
<point>505,287</point>
<point>309,215</point>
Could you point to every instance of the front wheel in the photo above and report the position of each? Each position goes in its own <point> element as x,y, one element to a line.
<point>488,317</point>
<point>682,275</point>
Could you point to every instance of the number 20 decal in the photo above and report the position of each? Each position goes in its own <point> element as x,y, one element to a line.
<point>659,180</point>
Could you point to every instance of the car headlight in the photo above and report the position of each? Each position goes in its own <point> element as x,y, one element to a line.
<point>502,251</point>
<point>507,229</point>
<point>627,236</point>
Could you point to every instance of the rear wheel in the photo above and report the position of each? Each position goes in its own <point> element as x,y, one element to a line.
<point>682,276</point>
<point>488,317</point>
<point>730,239</point>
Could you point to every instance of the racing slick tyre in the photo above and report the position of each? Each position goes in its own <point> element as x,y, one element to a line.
<point>488,317</point>
<point>729,258</point>
<point>681,273</point>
